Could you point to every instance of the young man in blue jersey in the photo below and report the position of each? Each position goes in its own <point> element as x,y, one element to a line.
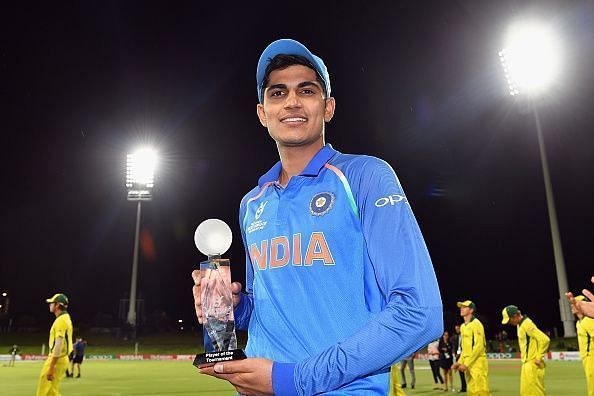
<point>339,282</point>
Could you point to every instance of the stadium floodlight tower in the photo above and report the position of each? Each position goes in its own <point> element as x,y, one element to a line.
<point>531,62</point>
<point>140,170</point>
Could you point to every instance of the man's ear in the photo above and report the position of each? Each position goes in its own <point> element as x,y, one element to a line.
<point>329,108</point>
<point>261,115</point>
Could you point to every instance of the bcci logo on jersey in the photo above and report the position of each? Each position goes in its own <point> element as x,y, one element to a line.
<point>321,203</point>
<point>258,224</point>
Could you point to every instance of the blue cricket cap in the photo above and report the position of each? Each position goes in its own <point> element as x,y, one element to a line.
<point>290,47</point>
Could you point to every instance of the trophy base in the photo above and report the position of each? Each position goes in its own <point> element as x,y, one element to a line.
<point>215,357</point>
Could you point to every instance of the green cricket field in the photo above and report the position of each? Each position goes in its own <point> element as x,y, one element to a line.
<point>116,377</point>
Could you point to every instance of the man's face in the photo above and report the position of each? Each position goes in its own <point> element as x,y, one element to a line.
<point>514,320</point>
<point>457,328</point>
<point>52,307</point>
<point>464,311</point>
<point>294,109</point>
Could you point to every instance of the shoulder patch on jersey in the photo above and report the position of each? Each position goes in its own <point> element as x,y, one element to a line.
<point>321,203</point>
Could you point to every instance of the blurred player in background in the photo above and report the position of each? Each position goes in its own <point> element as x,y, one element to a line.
<point>473,357</point>
<point>446,359</point>
<point>457,342</point>
<point>78,355</point>
<point>585,335</point>
<point>13,351</point>
<point>60,344</point>
<point>433,352</point>
<point>410,362</point>
<point>339,282</point>
<point>534,344</point>
<point>395,387</point>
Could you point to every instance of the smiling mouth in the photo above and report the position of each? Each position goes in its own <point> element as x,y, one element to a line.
<point>294,120</point>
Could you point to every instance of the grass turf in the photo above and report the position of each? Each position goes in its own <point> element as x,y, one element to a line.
<point>103,344</point>
<point>114,378</point>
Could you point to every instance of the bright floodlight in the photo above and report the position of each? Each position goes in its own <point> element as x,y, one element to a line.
<point>4,294</point>
<point>140,172</point>
<point>530,58</point>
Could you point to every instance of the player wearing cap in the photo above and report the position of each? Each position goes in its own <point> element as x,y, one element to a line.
<point>339,282</point>
<point>60,344</point>
<point>585,336</point>
<point>473,357</point>
<point>534,344</point>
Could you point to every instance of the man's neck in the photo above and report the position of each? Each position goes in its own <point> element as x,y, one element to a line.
<point>295,159</point>
<point>467,318</point>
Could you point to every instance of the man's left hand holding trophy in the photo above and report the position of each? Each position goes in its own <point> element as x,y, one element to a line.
<point>215,296</point>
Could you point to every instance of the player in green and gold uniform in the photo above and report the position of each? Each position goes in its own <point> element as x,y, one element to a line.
<point>60,344</point>
<point>473,358</point>
<point>534,344</point>
<point>585,335</point>
<point>395,386</point>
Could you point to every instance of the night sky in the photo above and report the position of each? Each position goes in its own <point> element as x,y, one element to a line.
<point>418,84</point>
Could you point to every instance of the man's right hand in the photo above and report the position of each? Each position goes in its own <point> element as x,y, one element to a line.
<point>235,289</point>
<point>50,373</point>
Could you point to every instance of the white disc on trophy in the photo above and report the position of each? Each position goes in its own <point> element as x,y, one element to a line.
<point>213,237</point>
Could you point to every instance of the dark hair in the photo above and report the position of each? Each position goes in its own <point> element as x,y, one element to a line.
<point>282,61</point>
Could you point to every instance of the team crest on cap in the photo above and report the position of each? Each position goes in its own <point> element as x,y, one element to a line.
<point>321,203</point>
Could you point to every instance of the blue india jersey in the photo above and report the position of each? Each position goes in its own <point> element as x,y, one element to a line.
<point>339,282</point>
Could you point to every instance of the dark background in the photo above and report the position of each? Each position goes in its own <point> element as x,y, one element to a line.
<point>418,84</point>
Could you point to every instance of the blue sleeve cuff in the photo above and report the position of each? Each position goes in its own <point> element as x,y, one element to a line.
<point>238,310</point>
<point>283,379</point>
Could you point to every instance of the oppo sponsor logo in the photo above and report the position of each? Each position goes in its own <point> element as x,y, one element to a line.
<point>390,200</point>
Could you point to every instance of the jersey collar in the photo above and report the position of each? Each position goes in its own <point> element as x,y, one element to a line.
<point>312,169</point>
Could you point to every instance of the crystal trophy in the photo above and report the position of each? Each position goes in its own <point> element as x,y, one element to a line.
<point>213,238</point>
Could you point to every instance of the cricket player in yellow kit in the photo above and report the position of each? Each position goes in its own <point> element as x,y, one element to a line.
<point>473,358</point>
<point>585,335</point>
<point>534,344</point>
<point>60,344</point>
<point>395,386</point>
